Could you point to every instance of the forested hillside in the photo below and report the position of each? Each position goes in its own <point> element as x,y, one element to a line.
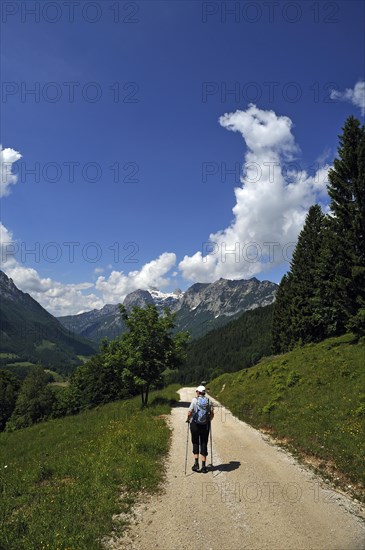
<point>237,345</point>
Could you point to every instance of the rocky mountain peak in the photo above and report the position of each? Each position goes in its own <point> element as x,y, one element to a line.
<point>9,291</point>
<point>138,298</point>
<point>7,287</point>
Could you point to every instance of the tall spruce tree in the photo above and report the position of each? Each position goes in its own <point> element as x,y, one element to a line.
<point>342,262</point>
<point>281,322</point>
<point>297,318</point>
<point>357,320</point>
<point>328,285</point>
<point>306,323</point>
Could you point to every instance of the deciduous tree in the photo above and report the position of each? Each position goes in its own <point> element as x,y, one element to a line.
<point>149,347</point>
<point>34,402</point>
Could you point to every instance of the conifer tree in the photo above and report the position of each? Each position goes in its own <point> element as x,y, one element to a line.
<point>328,287</point>
<point>342,261</point>
<point>306,323</point>
<point>357,320</point>
<point>281,336</point>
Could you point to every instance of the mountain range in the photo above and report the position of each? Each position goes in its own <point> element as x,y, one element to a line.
<point>201,308</point>
<point>30,333</point>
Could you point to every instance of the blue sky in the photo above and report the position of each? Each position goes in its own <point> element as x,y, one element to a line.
<point>155,127</point>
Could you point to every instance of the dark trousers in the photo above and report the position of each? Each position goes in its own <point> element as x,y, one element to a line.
<point>199,437</point>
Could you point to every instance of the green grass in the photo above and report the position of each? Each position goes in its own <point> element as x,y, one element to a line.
<point>8,355</point>
<point>60,481</point>
<point>45,345</point>
<point>312,398</point>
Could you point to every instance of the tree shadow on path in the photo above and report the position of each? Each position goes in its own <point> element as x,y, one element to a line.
<point>184,404</point>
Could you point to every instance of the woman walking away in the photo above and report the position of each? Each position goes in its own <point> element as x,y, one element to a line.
<point>200,415</point>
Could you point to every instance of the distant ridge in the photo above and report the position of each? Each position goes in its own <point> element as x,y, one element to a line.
<point>203,307</point>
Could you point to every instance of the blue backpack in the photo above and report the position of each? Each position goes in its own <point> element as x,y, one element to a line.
<point>201,415</point>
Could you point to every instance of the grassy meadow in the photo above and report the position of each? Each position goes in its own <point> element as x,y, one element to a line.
<point>61,480</point>
<point>313,399</point>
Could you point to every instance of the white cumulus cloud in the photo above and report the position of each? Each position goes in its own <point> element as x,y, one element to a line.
<point>56,297</point>
<point>7,159</point>
<point>115,288</point>
<point>7,247</point>
<point>355,96</point>
<point>70,299</point>
<point>270,206</point>
<point>73,298</point>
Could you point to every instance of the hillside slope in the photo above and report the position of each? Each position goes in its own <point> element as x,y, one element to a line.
<point>312,398</point>
<point>61,480</point>
<point>29,332</point>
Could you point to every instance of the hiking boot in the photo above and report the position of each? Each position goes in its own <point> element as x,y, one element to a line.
<point>204,470</point>
<point>195,468</point>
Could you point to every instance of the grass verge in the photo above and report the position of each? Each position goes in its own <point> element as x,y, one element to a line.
<point>312,400</point>
<point>60,481</point>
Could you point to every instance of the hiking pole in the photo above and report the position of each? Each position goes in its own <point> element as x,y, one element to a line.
<point>187,443</point>
<point>211,445</point>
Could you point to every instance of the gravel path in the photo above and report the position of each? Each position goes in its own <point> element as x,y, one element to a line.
<point>256,497</point>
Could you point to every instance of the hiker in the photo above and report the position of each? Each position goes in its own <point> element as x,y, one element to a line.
<point>200,415</point>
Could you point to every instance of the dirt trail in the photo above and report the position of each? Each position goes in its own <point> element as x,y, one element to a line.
<point>256,497</point>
